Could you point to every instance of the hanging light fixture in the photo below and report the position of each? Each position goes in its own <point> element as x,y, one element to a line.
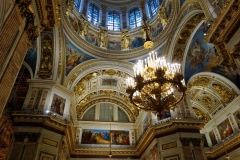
<point>156,85</point>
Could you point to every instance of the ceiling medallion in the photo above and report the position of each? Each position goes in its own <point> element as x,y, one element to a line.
<point>157,85</point>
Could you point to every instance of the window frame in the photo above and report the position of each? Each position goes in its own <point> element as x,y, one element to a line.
<point>153,6</point>
<point>116,26</point>
<point>137,20</point>
<point>90,16</point>
<point>78,5</point>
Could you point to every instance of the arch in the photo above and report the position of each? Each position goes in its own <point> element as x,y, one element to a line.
<point>80,112</point>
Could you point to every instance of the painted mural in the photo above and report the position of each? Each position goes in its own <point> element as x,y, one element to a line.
<point>213,138</point>
<point>136,41</point>
<point>237,117</point>
<point>114,43</point>
<point>31,56</point>
<point>225,129</point>
<point>202,57</point>
<point>156,29</point>
<point>73,21</point>
<point>58,104</point>
<point>95,136</point>
<point>74,56</point>
<point>92,38</point>
<point>146,123</point>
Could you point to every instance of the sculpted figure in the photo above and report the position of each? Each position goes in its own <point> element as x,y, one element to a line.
<point>103,37</point>
<point>162,16</point>
<point>83,27</point>
<point>146,32</point>
<point>125,40</point>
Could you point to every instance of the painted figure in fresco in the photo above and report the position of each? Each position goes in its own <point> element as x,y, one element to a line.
<point>91,38</point>
<point>72,58</point>
<point>73,22</point>
<point>197,55</point>
<point>137,42</point>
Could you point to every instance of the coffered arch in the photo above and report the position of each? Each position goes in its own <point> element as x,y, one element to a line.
<point>210,92</point>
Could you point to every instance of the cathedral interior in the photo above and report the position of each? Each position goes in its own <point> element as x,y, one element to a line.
<point>82,79</point>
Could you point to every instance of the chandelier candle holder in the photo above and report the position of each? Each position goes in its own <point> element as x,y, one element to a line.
<point>156,85</point>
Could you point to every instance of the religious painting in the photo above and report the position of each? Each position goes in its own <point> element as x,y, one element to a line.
<point>213,138</point>
<point>109,82</point>
<point>225,129</point>
<point>31,56</point>
<point>74,56</point>
<point>173,157</point>
<point>95,136</point>
<point>73,21</point>
<point>58,104</point>
<point>114,44</point>
<point>202,57</point>
<point>237,117</point>
<point>136,41</point>
<point>146,123</point>
<point>156,29</point>
<point>92,38</point>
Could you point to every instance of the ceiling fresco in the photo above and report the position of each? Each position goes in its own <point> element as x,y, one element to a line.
<point>202,57</point>
<point>74,56</point>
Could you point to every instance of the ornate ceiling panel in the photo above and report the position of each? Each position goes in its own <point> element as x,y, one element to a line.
<point>209,94</point>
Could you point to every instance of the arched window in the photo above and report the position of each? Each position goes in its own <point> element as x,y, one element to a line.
<point>93,14</point>
<point>89,115</point>
<point>77,4</point>
<point>106,111</point>
<point>113,21</point>
<point>135,19</point>
<point>153,7</point>
<point>122,116</point>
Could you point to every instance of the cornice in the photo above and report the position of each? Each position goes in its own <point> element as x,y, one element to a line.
<point>97,62</point>
<point>223,17</point>
<point>227,145</point>
<point>51,83</point>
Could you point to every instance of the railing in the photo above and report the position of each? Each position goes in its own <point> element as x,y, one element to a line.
<point>45,112</point>
<point>179,117</point>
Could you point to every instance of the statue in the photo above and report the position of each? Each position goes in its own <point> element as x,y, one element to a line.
<point>83,27</point>
<point>125,40</point>
<point>146,32</point>
<point>103,37</point>
<point>162,15</point>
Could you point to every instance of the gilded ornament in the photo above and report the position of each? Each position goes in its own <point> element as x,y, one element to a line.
<point>162,15</point>
<point>206,101</point>
<point>178,54</point>
<point>103,37</point>
<point>226,95</point>
<point>125,39</point>
<point>83,26</point>
<point>201,81</point>
<point>201,115</point>
<point>45,70</point>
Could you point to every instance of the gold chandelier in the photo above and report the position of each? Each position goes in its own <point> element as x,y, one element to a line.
<point>157,85</point>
